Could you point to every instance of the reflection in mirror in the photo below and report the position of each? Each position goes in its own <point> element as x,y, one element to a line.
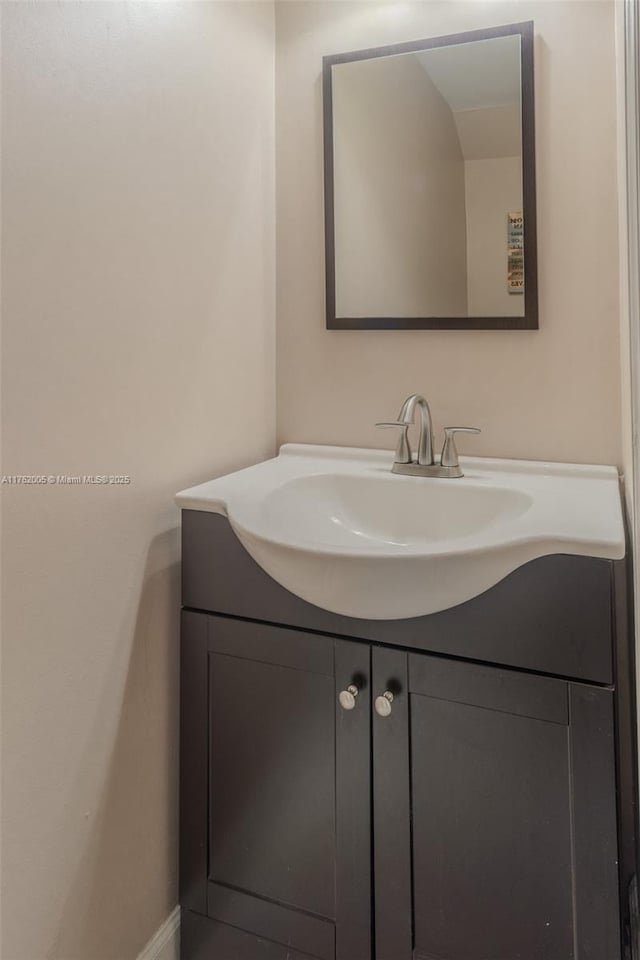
<point>427,169</point>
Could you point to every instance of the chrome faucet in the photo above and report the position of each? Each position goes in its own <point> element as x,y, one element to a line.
<point>425,465</point>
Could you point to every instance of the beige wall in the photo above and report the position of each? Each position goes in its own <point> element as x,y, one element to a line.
<point>138,310</point>
<point>399,187</point>
<point>552,394</point>
<point>493,189</point>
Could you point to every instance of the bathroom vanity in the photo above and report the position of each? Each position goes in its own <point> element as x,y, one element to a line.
<point>453,785</point>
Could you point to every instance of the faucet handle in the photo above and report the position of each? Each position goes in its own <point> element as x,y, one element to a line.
<point>403,452</point>
<point>449,456</point>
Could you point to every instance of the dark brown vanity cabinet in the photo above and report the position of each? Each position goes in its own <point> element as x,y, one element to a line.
<point>460,810</point>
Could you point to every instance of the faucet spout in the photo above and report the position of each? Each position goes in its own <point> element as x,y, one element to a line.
<point>426,465</point>
<point>407,413</point>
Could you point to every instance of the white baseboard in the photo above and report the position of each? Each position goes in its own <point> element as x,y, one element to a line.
<point>165,943</point>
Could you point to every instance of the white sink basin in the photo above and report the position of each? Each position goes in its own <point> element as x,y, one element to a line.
<point>373,512</point>
<point>335,527</point>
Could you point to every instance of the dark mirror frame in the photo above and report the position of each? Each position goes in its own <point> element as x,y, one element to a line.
<point>530,319</point>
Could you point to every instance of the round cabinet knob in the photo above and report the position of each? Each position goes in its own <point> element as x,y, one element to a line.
<point>347,697</point>
<point>383,704</point>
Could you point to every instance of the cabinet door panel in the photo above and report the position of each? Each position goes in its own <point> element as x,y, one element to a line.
<point>284,853</point>
<point>511,791</point>
<point>491,834</point>
<point>272,784</point>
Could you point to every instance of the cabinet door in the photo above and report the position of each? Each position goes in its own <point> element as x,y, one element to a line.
<point>275,820</point>
<point>507,783</point>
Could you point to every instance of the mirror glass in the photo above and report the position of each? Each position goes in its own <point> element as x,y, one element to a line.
<point>428,186</point>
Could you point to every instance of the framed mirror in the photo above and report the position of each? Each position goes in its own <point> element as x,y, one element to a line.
<point>430,198</point>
